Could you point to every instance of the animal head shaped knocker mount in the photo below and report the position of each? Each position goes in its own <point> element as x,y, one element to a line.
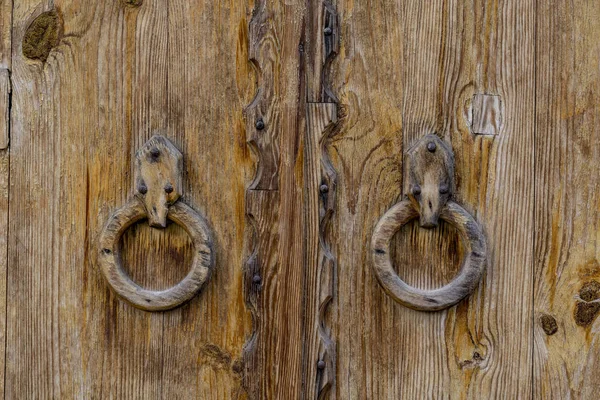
<point>430,178</point>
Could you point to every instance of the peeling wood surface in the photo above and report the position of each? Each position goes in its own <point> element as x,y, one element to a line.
<point>567,196</point>
<point>398,81</point>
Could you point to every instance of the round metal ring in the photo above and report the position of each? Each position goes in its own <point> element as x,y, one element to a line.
<point>437,299</point>
<point>121,283</point>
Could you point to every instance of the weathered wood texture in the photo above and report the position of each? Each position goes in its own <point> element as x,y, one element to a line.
<point>406,69</point>
<point>567,197</point>
<point>5,65</point>
<point>4,190</point>
<point>5,92</point>
<point>275,125</point>
<point>5,88</point>
<point>320,360</point>
<point>5,33</point>
<point>119,73</point>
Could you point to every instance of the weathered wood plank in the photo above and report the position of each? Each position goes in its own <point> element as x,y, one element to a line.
<point>567,195</point>
<point>121,71</point>
<point>5,93</point>
<point>275,124</point>
<point>320,263</point>
<point>5,65</point>
<point>6,7</point>
<point>4,190</point>
<point>398,81</point>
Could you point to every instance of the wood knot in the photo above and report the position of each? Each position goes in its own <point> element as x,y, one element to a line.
<point>549,324</point>
<point>216,357</point>
<point>132,3</point>
<point>42,35</point>
<point>474,362</point>
<point>588,307</point>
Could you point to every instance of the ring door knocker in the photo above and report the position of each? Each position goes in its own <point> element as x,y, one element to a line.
<point>430,184</point>
<point>158,170</point>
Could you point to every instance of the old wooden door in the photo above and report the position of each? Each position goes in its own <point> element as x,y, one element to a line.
<point>295,121</point>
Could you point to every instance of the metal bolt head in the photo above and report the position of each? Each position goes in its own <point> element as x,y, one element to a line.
<point>169,188</point>
<point>256,279</point>
<point>327,31</point>
<point>260,124</point>
<point>431,146</point>
<point>324,188</point>
<point>321,365</point>
<point>444,188</point>
<point>143,189</point>
<point>416,190</point>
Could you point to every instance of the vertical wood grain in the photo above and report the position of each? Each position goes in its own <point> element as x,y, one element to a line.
<point>6,7</point>
<point>5,93</point>
<point>275,269</point>
<point>321,45</point>
<point>320,359</point>
<point>4,190</point>
<point>120,72</point>
<point>406,69</point>
<point>567,193</point>
<point>5,65</point>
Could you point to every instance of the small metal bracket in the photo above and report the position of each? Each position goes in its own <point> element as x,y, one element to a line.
<point>158,173</point>
<point>430,178</point>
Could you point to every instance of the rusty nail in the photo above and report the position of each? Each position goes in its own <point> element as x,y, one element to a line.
<point>327,31</point>
<point>260,124</point>
<point>416,190</point>
<point>168,188</point>
<point>256,279</point>
<point>321,365</point>
<point>444,188</point>
<point>143,189</point>
<point>431,146</point>
<point>324,188</point>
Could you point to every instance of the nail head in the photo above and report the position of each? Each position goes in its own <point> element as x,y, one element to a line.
<point>155,152</point>
<point>321,365</point>
<point>327,31</point>
<point>143,189</point>
<point>260,124</point>
<point>431,146</point>
<point>324,188</point>
<point>416,190</point>
<point>168,188</point>
<point>256,278</point>
<point>444,188</point>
